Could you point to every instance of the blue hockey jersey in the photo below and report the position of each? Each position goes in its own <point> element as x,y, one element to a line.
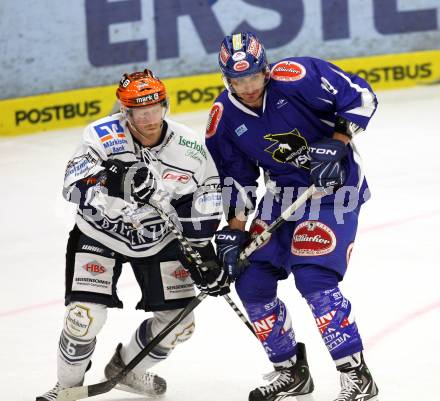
<point>300,105</point>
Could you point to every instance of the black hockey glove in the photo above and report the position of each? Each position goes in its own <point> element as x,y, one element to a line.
<point>115,171</point>
<point>229,245</point>
<point>143,185</point>
<point>326,169</point>
<point>131,178</point>
<point>208,277</point>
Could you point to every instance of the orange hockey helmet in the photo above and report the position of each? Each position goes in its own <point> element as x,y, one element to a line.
<point>141,89</point>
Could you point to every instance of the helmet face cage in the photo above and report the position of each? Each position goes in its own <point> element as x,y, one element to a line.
<point>241,54</point>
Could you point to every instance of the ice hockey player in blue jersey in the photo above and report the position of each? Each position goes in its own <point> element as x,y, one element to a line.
<point>295,120</point>
<point>124,161</point>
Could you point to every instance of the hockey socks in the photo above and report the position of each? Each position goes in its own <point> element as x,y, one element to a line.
<point>273,326</point>
<point>335,321</point>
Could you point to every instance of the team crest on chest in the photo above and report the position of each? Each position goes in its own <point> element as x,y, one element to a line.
<point>289,147</point>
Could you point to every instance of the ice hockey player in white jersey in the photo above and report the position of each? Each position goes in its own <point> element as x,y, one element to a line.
<point>123,163</point>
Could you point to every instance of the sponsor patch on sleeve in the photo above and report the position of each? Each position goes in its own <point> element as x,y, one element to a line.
<point>288,71</point>
<point>214,118</point>
<point>256,228</point>
<point>313,238</point>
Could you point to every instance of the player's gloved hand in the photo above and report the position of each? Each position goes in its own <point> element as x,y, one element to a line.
<point>230,242</point>
<point>143,185</point>
<point>208,277</point>
<point>130,178</point>
<point>326,169</point>
<point>115,171</point>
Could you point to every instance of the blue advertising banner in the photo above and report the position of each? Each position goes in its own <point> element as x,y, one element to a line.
<point>47,46</point>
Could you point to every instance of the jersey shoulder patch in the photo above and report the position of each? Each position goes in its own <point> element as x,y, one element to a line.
<point>214,118</point>
<point>111,134</point>
<point>288,71</point>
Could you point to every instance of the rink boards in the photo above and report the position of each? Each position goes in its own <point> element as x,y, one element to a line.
<point>80,107</point>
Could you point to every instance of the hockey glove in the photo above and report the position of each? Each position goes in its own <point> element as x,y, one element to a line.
<point>128,178</point>
<point>208,277</point>
<point>115,171</point>
<point>143,185</point>
<point>326,169</point>
<point>229,245</point>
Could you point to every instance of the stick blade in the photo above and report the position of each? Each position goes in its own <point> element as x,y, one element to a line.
<point>73,393</point>
<point>78,393</point>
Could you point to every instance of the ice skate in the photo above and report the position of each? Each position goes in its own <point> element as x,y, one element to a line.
<point>291,381</point>
<point>147,384</point>
<point>357,384</point>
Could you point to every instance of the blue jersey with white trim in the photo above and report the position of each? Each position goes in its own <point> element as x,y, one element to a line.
<point>301,102</point>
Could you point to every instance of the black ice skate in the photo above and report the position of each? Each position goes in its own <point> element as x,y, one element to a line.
<point>147,384</point>
<point>356,381</point>
<point>291,381</point>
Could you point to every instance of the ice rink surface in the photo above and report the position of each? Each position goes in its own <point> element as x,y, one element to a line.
<point>392,281</point>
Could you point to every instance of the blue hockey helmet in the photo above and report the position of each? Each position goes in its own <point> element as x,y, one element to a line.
<point>242,54</point>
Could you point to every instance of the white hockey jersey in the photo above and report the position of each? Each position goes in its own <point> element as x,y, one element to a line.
<point>184,171</point>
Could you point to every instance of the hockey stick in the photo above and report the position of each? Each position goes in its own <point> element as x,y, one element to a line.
<point>77,393</point>
<point>189,250</point>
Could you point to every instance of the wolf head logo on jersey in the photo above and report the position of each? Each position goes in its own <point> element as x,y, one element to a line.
<point>289,147</point>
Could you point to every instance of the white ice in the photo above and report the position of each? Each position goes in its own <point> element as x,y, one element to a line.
<point>393,279</point>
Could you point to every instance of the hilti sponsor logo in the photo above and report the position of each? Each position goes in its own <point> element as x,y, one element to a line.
<point>312,238</point>
<point>170,175</point>
<point>323,321</point>
<point>94,268</point>
<point>180,273</point>
<point>288,71</point>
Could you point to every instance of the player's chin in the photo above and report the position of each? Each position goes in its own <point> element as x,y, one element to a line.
<point>148,128</point>
<point>252,96</point>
